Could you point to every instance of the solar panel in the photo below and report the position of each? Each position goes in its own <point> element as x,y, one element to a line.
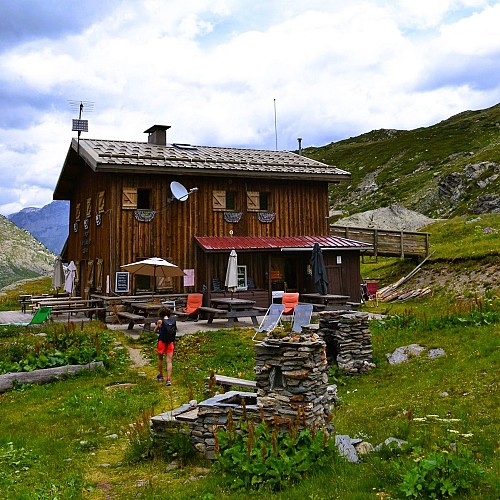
<point>80,125</point>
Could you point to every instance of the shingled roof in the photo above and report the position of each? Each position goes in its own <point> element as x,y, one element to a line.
<point>117,156</point>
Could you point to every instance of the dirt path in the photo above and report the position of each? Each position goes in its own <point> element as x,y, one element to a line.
<point>137,359</point>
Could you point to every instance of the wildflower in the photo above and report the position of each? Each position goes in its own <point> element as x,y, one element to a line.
<point>453,431</point>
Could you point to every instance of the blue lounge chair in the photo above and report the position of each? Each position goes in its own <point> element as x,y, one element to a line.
<point>38,318</point>
<point>302,314</point>
<point>271,319</point>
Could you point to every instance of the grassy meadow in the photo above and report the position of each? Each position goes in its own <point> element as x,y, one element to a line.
<point>88,436</point>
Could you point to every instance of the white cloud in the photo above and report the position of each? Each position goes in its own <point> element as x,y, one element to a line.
<point>212,70</point>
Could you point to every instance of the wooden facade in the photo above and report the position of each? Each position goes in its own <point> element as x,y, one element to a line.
<point>121,211</point>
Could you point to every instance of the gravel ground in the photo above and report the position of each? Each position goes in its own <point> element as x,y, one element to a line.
<point>395,217</point>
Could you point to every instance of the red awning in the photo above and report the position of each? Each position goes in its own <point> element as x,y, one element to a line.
<point>292,243</point>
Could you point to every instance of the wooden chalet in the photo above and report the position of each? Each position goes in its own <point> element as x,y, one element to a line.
<point>270,206</point>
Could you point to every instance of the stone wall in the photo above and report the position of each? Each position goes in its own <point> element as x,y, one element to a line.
<point>348,340</point>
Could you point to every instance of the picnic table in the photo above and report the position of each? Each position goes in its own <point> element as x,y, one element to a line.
<point>232,309</point>
<point>330,301</point>
<point>70,306</point>
<point>25,301</point>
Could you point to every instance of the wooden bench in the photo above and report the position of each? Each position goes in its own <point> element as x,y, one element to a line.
<point>213,312</point>
<point>353,305</point>
<point>131,317</point>
<point>228,382</point>
<point>316,307</point>
<point>72,310</point>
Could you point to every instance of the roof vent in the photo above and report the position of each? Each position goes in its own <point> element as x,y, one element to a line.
<point>157,134</point>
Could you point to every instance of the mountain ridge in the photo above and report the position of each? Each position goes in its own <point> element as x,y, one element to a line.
<point>48,224</point>
<point>21,255</point>
<point>447,169</point>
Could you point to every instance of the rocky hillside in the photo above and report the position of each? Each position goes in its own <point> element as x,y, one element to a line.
<point>451,168</point>
<point>48,224</point>
<point>21,255</point>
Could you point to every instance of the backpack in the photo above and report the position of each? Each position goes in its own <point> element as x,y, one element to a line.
<point>168,330</point>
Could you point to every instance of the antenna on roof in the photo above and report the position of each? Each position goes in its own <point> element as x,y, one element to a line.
<point>275,127</point>
<point>80,125</point>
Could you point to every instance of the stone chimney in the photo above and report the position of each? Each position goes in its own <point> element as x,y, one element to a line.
<point>157,134</point>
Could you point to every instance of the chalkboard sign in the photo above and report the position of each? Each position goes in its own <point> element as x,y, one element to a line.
<point>122,282</point>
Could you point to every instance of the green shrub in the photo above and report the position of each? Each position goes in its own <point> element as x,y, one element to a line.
<point>258,456</point>
<point>441,474</point>
<point>63,344</point>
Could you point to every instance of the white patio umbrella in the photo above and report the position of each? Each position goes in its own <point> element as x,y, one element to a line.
<point>232,272</point>
<point>58,274</point>
<point>69,279</point>
<point>154,266</point>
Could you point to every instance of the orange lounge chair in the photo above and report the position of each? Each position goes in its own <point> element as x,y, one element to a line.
<point>289,300</point>
<point>194,302</point>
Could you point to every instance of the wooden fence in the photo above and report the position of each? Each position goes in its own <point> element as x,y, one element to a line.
<point>387,243</point>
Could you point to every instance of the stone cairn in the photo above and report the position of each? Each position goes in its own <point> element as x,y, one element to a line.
<point>292,382</point>
<point>348,340</point>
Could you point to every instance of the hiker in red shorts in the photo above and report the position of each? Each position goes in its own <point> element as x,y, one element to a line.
<point>166,327</point>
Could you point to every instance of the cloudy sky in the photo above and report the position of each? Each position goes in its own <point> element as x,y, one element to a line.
<point>223,72</point>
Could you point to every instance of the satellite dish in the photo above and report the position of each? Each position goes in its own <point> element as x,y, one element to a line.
<point>179,192</point>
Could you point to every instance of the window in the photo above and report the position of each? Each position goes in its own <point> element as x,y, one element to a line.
<point>242,278</point>
<point>230,200</point>
<point>224,200</point>
<point>133,198</point>
<point>143,199</point>
<point>264,201</point>
<point>258,201</point>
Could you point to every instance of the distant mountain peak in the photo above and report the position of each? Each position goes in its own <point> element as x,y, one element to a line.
<point>49,224</point>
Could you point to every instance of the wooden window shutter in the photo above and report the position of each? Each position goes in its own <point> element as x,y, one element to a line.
<point>89,208</point>
<point>129,198</point>
<point>77,212</point>
<point>98,274</point>
<point>253,201</point>
<point>100,202</point>
<point>90,273</point>
<point>219,200</point>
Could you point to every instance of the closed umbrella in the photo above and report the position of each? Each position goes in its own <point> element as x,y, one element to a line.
<point>58,274</point>
<point>154,266</point>
<point>69,279</point>
<point>319,276</point>
<point>232,272</point>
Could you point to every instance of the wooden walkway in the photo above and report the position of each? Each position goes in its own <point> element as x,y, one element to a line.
<point>387,243</point>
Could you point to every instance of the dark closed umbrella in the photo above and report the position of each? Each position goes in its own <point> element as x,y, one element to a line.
<point>319,276</point>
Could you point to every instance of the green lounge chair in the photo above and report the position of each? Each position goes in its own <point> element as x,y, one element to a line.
<point>38,318</point>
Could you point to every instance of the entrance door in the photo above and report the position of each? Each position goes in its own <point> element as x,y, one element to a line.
<point>334,273</point>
